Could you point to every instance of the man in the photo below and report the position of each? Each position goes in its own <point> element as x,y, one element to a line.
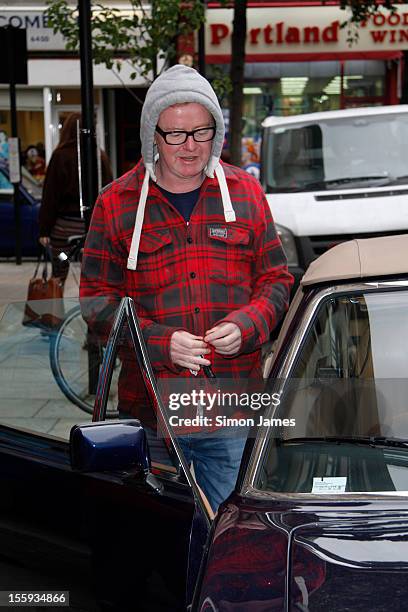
<point>193,242</point>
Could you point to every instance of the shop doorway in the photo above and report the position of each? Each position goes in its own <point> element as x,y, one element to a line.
<point>66,101</point>
<point>128,105</point>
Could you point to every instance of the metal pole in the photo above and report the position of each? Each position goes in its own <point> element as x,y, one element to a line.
<point>14,134</point>
<point>81,199</point>
<point>201,47</point>
<point>16,196</point>
<point>88,144</point>
<point>154,60</point>
<point>13,104</point>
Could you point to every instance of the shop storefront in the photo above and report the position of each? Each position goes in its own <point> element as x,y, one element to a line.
<point>53,91</point>
<point>299,60</point>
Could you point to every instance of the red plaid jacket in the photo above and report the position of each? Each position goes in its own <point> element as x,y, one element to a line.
<point>190,276</point>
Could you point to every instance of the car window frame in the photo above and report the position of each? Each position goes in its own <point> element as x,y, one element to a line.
<point>126,314</point>
<point>283,372</point>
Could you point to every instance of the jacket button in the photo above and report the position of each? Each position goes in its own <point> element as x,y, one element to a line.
<point>196,309</point>
<point>192,274</point>
<point>189,239</point>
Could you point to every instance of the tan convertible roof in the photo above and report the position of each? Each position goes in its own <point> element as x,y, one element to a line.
<point>385,256</point>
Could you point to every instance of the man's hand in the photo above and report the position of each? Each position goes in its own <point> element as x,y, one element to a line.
<point>225,338</point>
<point>186,350</point>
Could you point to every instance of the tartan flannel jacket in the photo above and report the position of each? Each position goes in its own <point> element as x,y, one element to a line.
<point>190,276</point>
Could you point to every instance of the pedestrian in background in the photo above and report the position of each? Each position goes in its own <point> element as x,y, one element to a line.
<point>60,215</point>
<point>192,241</point>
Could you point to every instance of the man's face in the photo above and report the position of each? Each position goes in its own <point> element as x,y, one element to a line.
<point>180,164</point>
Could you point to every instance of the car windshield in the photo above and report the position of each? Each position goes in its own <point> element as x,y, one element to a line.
<point>345,401</point>
<point>337,154</point>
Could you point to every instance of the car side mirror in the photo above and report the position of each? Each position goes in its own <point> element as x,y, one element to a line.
<point>112,446</point>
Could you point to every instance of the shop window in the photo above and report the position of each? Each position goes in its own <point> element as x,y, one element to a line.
<point>30,126</point>
<point>293,88</point>
<point>31,133</point>
<point>364,83</point>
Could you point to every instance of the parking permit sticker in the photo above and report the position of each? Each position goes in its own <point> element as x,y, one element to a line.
<point>333,484</point>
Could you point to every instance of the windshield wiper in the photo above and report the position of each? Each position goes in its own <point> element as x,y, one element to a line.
<point>284,189</point>
<point>394,180</point>
<point>324,183</point>
<point>367,440</point>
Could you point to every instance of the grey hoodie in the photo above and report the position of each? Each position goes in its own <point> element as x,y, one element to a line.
<point>180,84</point>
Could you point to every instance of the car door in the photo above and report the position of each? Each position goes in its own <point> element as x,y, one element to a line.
<point>109,538</point>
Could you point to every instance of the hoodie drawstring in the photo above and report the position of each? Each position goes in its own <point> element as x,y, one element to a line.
<point>134,247</point>
<point>229,213</point>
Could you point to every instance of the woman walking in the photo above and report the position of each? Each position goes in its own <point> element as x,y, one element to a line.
<point>60,216</point>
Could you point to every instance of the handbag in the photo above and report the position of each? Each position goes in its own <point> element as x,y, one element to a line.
<point>44,307</point>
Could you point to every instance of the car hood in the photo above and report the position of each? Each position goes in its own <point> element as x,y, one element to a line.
<point>318,558</point>
<point>351,211</point>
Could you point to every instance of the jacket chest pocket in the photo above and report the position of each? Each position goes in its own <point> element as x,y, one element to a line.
<point>155,265</point>
<point>230,255</point>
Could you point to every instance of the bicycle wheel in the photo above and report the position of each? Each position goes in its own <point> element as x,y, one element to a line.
<point>75,361</point>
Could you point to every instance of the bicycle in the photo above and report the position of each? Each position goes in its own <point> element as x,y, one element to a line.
<point>76,355</point>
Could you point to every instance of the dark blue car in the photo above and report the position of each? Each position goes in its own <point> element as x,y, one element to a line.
<point>30,200</point>
<point>318,520</point>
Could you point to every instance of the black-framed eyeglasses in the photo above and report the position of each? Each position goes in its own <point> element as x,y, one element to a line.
<point>178,137</point>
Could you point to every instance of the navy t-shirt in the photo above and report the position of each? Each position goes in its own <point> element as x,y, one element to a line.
<point>184,202</point>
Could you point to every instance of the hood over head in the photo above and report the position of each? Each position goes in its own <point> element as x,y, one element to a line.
<point>178,85</point>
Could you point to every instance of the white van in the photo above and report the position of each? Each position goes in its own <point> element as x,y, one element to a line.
<point>335,175</point>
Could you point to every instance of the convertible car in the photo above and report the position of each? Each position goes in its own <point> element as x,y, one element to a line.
<point>319,517</point>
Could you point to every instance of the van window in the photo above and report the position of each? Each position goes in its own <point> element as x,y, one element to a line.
<point>337,153</point>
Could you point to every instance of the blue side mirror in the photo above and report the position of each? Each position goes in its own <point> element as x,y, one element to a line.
<point>109,446</point>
